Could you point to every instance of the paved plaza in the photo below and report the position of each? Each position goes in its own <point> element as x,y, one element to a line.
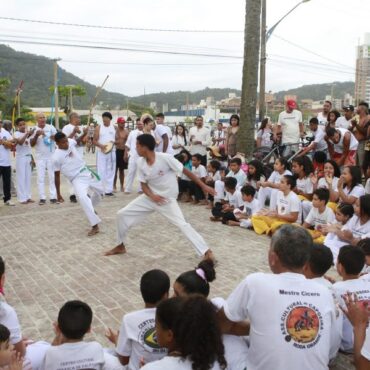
<point>49,260</point>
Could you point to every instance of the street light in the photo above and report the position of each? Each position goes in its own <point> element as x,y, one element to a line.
<point>264,38</point>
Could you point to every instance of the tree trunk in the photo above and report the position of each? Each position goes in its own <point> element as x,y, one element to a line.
<point>245,138</point>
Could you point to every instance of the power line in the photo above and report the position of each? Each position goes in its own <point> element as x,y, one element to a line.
<point>118,28</point>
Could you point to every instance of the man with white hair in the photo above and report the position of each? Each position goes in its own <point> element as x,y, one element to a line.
<point>43,141</point>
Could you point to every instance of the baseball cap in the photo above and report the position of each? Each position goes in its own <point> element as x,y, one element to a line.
<point>291,103</point>
<point>348,108</point>
<point>121,120</point>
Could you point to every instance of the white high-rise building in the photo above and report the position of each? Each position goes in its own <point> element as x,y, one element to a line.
<point>362,86</point>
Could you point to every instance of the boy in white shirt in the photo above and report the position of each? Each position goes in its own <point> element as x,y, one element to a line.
<point>201,173</point>
<point>67,160</point>
<point>137,340</point>
<point>351,260</point>
<point>223,211</point>
<point>292,319</point>
<point>251,206</point>
<point>319,215</point>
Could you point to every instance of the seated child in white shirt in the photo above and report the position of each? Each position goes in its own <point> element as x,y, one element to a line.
<point>251,206</point>
<point>199,171</point>
<point>214,174</point>
<point>137,340</point>
<point>319,215</point>
<point>223,211</point>
<point>351,260</point>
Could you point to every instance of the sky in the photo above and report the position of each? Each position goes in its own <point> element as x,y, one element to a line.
<point>314,44</point>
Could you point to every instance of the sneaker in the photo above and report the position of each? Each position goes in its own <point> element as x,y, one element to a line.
<point>109,194</point>
<point>54,201</point>
<point>73,199</point>
<point>9,203</point>
<point>42,202</point>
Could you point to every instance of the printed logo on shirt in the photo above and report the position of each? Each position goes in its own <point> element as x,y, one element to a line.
<point>301,324</point>
<point>148,337</point>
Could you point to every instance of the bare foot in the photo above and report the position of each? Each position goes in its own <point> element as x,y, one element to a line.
<point>215,219</point>
<point>209,206</point>
<point>203,203</point>
<point>30,201</point>
<point>119,249</point>
<point>122,190</point>
<point>233,223</point>
<point>94,230</point>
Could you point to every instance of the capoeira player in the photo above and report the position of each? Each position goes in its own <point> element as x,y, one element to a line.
<point>23,161</point>
<point>86,184</point>
<point>157,173</point>
<point>104,135</point>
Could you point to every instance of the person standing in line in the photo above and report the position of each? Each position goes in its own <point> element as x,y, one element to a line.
<point>73,131</point>
<point>219,136</point>
<point>43,140</point>
<point>323,116</point>
<point>200,139</point>
<point>131,156</point>
<point>121,164</point>
<point>231,136</point>
<point>158,174</point>
<point>23,161</point>
<point>104,136</point>
<point>345,120</point>
<point>163,134</point>
<point>179,139</point>
<point>159,120</point>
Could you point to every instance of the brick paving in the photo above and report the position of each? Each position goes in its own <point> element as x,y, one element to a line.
<point>49,260</point>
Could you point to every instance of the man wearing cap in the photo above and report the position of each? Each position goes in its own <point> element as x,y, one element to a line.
<point>345,120</point>
<point>121,165</point>
<point>291,123</point>
<point>104,137</point>
<point>322,117</point>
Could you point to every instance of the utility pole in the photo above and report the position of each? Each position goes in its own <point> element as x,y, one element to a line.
<point>261,110</point>
<point>56,94</point>
<point>245,137</point>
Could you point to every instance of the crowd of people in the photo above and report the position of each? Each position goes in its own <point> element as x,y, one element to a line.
<point>315,207</point>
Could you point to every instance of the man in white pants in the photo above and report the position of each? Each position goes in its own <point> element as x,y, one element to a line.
<point>158,173</point>
<point>67,160</point>
<point>106,162</point>
<point>75,132</point>
<point>43,141</point>
<point>23,161</point>
<point>131,156</point>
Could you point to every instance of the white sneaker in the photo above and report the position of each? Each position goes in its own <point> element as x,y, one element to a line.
<point>9,203</point>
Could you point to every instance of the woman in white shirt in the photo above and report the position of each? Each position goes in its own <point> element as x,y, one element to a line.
<point>349,185</point>
<point>264,134</point>
<point>329,181</point>
<point>188,328</point>
<point>179,139</point>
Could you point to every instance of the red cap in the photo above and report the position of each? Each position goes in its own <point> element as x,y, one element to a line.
<point>291,104</point>
<point>121,120</point>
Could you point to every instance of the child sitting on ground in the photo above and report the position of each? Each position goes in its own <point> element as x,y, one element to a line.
<point>137,338</point>
<point>319,215</point>
<point>199,171</point>
<point>286,211</point>
<point>214,174</point>
<point>251,206</point>
<point>351,260</point>
<point>255,174</point>
<point>184,182</point>
<point>223,211</point>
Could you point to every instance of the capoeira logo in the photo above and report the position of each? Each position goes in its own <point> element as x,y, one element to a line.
<point>148,336</point>
<point>301,325</point>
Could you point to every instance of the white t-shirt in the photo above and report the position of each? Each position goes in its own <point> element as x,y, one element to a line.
<point>292,321</point>
<point>161,177</point>
<point>251,208</point>
<point>24,149</point>
<point>131,142</point>
<point>9,318</point>
<point>322,184</point>
<point>265,136</point>
<point>235,199</point>
<point>137,338</point>
<point>365,352</point>
<point>338,148</point>
<point>358,230</point>
<point>240,177</point>
<point>315,218</point>
<point>199,171</point>
<point>204,136</point>
<point>322,119</point>
<point>44,151</point>
<point>305,185</point>
<point>216,176</point>
<point>159,131</point>
<point>4,152</point>
<point>73,356</point>
<point>287,204</point>
<point>319,139</point>
<point>67,130</point>
<point>275,176</point>
<point>362,289</point>
<point>177,140</point>
<point>289,123</point>
<point>342,122</point>
<point>69,162</point>
<point>173,363</point>
<point>357,192</point>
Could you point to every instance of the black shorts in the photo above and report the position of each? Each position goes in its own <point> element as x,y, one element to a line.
<point>120,163</point>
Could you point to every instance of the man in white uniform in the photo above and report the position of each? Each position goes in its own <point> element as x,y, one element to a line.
<point>345,121</point>
<point>322,117</point>
<point>158,173</point>
<point>291,124</point>
<point>43,141</point>
<point>131,156</point>
<point>163,134</point>
<point>74,131</point>
<point>106,162</point>
<point>68,161</point>
<point>292,319</point>
<point>200,139</point>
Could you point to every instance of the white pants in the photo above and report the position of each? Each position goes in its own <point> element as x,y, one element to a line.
<point>42,165</point>
<point>141,207</point>
<point>265,193</point>
<point>106,167</point>
<point>24,172</point>
<point>88,191</point>
<point>131,173</point>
